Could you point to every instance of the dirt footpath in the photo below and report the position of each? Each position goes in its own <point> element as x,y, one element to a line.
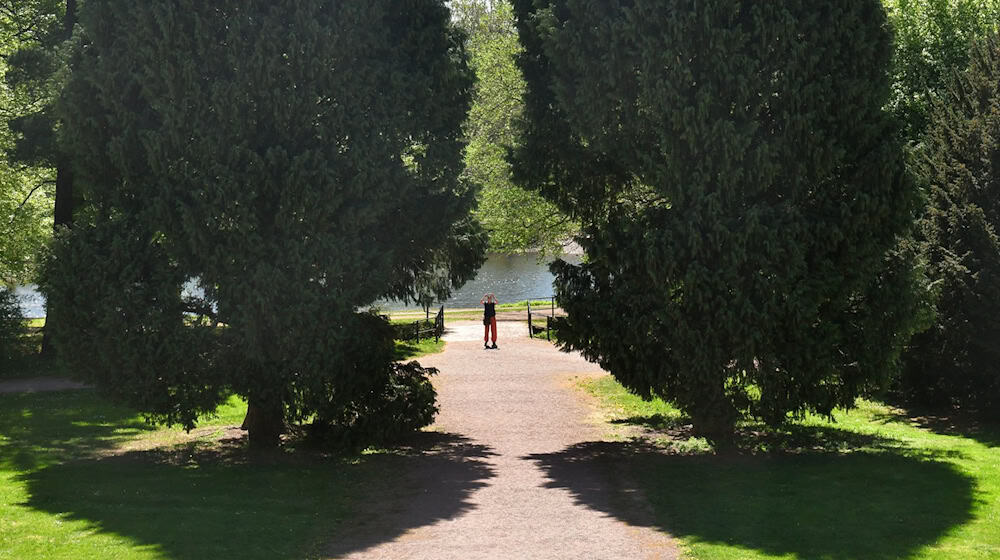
<point>39,384</point>
<point>485,491</point>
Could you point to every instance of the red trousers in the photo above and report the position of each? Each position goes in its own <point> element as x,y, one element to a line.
<point>492,323</point>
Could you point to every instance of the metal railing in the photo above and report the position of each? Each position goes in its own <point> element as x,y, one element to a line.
<point>548,318</point>
<point>420,328</point>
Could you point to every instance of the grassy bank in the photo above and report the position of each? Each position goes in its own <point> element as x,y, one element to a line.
<point>81,478</point>
<point>412,350</point>
<point>876,483</point>
<point>30,364</point>
<point>68,490</point>
<point>469,313</point>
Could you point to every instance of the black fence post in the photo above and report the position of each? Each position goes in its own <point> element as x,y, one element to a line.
<point>548,328</point>
<point>530,333</point>
<point>439,325</point>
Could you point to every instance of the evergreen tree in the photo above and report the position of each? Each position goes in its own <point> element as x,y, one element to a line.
<point>11,326</point>
<point>957,361</point>
<point>300,160</point>
<point>741,192</point>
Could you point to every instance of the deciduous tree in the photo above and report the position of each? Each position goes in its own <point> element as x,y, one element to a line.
<point>37,73</point>
<point>932,40</point>
<point>517,220</point>
<point>26,191</point>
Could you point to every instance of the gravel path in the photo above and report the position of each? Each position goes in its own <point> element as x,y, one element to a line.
<point>39,384</point>
<point>499,478</point>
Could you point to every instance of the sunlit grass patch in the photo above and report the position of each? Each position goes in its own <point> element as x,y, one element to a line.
<point>872,484</point>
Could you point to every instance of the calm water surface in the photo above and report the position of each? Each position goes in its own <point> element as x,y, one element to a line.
<point>511,278</point>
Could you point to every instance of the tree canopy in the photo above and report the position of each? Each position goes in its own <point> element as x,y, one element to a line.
<point>26,184</point>
<point>517,220</point>
<point>957,361</point>
<point>299,160</point>
<point>932,40</point>
<point>741,192</point>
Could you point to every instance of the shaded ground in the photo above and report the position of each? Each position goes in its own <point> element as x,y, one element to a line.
<point>508,407</point>
<point>39,384</point>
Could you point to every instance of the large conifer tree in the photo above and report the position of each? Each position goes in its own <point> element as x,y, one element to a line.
<point>957,361</point>
<point>301,160</point>
<point>741,190</point>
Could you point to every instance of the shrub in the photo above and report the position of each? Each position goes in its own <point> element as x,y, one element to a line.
<point>12,326</point>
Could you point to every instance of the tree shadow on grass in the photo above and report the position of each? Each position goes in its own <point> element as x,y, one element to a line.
<point>37,429</point>
<point>810,499</point>
<point>406,350</point>
<point>213,500</point>
<point>950,423</point>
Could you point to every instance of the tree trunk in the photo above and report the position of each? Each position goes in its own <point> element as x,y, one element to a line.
<point>714,417</point>
<point>718,429</point>
<point>265,421</point>
<point>63,218</point>
<point>69,19</point>
<point>63,215</point>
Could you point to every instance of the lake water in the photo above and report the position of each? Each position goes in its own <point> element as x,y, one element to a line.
<point>32,302</point>
<point>511,278</point>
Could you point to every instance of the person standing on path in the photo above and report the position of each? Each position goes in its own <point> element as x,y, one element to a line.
<point>489,302</point>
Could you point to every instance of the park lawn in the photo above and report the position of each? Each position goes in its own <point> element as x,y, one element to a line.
<point>67,490</point>
<point>33,365</point>
<point>408,316</point>
<point>27,362</point>
<point>523,305</point>
<point>411,349</point>
<point>875,484</point>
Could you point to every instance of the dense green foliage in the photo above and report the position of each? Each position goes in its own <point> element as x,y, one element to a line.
<point>25,217</point>
<point>26,191</point>
<point>299,160</point>
<point>932,40</point>
<point>400,407</point>
<point>517,220</point>
<point>957,361</point>
<point>11,326</point>
<point>38,69</point>
<point>741,191</point>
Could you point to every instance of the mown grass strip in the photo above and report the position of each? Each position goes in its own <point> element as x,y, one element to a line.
<point>67,491</point>
<point>874,484</point>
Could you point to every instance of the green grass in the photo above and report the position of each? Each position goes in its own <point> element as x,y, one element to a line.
<point>31,364</point>
<point>64,493</point>
<point>28,362</point>
<point>409,316</point>
<point>875,484</point>
<point>523,305</point>
<point>411,349</point>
